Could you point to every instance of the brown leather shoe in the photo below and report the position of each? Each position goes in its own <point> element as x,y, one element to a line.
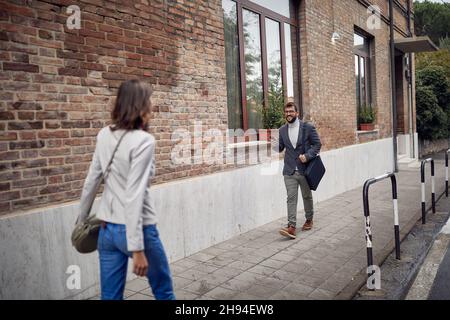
<point>288,232</point>
<point>308,225</point>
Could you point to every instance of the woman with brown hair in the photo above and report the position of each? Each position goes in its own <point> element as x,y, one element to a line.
<point>126,207</point>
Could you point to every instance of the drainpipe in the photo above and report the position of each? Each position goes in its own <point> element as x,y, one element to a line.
<point>410,108</point>
<point>410,105</point>
<point>393,91</point>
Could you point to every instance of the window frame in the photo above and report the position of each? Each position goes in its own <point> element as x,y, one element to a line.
<point>367,56</point>
<point>263,14</point>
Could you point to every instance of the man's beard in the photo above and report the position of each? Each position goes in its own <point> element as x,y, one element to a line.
<point>292,120</point>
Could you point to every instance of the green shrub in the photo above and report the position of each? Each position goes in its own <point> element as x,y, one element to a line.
<point>433,102</point>
<point>431,119</point>
<point>366,114</point>
<point>434,77</point>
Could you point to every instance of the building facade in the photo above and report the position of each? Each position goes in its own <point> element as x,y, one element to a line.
<point>214,66</point>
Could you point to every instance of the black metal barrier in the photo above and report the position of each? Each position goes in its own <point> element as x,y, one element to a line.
<point>367,216</point>
<point>446,172</point>
<point>422,180</point>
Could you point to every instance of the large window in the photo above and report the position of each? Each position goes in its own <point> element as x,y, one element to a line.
<point>261,60</point>
<point>361,49</point>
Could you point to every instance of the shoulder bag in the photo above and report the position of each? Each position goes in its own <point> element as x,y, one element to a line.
<point>315,169</point>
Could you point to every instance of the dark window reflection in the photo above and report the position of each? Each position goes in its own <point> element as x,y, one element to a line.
<point>253,69</point>
<point>232,64</point>
<point>291,64</point>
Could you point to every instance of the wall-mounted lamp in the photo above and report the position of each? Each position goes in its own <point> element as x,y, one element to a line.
<point>334,37</point>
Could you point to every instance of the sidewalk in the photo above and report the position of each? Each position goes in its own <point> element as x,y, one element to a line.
<point>328,262</point>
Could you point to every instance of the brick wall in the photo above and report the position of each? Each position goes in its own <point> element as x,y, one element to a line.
<point>332,98</point>
<point>328,71</point>
<point>58,85</point>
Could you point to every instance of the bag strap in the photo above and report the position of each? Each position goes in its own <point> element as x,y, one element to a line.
<point>104,175</point>
<point>108,167</point>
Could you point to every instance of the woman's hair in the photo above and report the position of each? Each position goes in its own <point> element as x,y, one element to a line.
<point>133,100</point>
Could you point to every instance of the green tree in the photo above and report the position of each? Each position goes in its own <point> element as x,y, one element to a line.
<point>439,58</point>
<point>433,70</point>
<point>273,114</point>
<point>432,19</point>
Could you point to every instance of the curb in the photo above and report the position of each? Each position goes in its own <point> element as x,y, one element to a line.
<point>423,283</point>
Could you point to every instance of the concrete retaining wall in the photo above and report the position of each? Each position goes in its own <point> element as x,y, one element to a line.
<point>428,147</point>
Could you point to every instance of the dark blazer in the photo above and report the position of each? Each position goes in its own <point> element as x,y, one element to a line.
<point>291,157</point>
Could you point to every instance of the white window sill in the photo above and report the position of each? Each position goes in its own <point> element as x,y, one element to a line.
<point>367,131</point>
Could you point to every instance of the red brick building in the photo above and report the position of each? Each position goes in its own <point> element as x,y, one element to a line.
<point>217,62</point>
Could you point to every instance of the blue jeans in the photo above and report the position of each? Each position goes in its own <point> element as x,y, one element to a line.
<point>113,254</point>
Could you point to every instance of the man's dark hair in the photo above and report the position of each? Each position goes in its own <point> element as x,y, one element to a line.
<point>291,105</point>
<point>133,99</point>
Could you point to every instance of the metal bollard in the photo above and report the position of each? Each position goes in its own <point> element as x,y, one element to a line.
<point>446,172</point>
<point>367,216</point>
<point>422,180</point>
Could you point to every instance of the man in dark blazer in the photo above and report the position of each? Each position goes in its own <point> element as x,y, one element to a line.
<point>296,159</point>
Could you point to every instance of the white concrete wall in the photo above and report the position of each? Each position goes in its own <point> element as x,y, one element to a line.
<point>404,145</point>
<point>194,214</point>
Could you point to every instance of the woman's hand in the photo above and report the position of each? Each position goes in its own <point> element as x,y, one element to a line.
<point>140,264</point>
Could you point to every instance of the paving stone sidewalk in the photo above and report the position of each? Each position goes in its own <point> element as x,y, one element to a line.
<point>327,262</point>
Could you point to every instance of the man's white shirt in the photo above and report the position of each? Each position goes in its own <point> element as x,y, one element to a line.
<point>293,132</point>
